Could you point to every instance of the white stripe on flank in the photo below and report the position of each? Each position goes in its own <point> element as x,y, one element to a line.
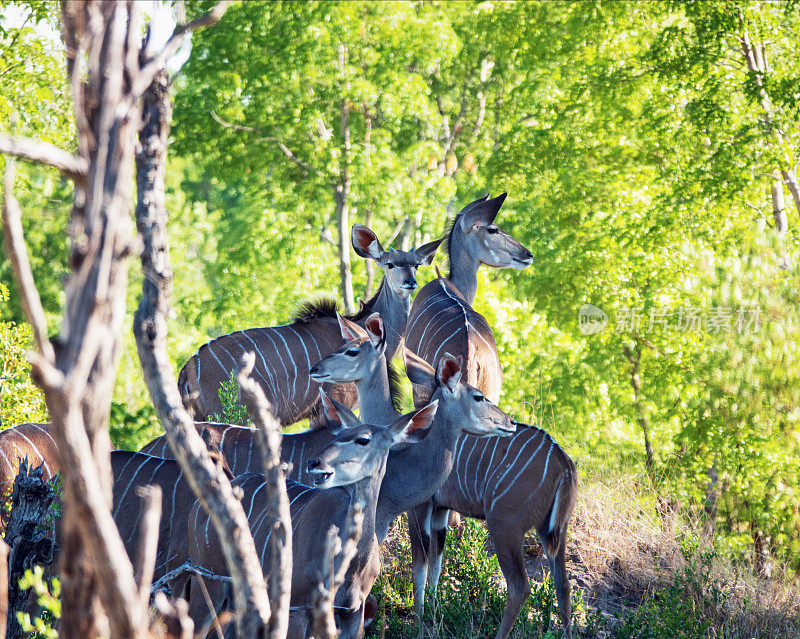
<point>279,396</point>
<point>428,325</point>
<point>44,430</point>
<point>308,359</point>
<point>133,478</point>
<point>447,322</point>
<point>294,366</point>
<point>479,467</point>
<point>490,467</point>
<point>10,467</point>
<point>457,469</point>
<point>554,512</point>
<point>36,450</point>
<point>514,463</point>
<point>300,463</point>
<point>214,355</point>
<point>512,483</point>
<point>431,301</point>
<point>268,383</point>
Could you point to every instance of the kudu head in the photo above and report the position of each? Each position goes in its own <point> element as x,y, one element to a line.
<point>476,414</point>
<point>399,267</point>
<point>484,240</point>
<point>359,356</point>
<point>360,450</point>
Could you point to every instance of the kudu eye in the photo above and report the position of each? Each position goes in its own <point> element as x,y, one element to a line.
<point>389,265</point>
<point>362,441</point>
<point>352,352</point>
<point>478,398</point>
<point>492,229</point>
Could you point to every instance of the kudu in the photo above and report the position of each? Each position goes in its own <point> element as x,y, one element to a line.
<point>516,483</point>
<point>442,318</point>
<point>356,456</point>
<point>285,353</point>
<point>134,470</point>
<point>33,441</point>
<point>413,474</point>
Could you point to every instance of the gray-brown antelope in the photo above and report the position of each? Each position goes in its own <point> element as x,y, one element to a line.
<point>413,474</point>
<point>514,483</point>
<point>355,457</point>
<point>33,441</point>
<point>285,353</point>
<point>442,317</point>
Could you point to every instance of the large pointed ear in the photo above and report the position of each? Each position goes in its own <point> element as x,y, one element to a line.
<point>448,372</point>
<point>426,252</point>
<point>365,243</point>
<point>420,373</point>
<point>337,415</point>
<point>349,329</point>
<point>413,427</point>
<point>375,331</point>
<point>481,212</point>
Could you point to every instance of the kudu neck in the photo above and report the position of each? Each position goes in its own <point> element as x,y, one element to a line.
<point>365,492</point>
<point>394,311</point>
<point>416,472</point>
<point>463,266</point>
<point>375,395</point>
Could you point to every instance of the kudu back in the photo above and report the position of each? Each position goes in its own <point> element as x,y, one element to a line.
<point>285,353</point>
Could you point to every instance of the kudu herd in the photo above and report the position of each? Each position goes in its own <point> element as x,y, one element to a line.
<point>457,451</point>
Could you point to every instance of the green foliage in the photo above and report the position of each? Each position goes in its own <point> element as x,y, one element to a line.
<point>20,400</point>
<point>232,411</point>
<point>469,602</point>
<point>684,609</point>
<point>132,430</point>
<point>47,596</point>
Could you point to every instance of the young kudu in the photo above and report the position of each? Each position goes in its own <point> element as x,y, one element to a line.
<point>442,317</point>
<point>516,483</point>
<point>285,353</point>
<point>356,456</point>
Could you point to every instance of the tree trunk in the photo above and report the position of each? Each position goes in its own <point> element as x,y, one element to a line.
<point>370,264</point>
<point>343,200</point>
<point>28,538</point>
<point>149,327</point>
<point>779,215</point>
<point>635,357</point>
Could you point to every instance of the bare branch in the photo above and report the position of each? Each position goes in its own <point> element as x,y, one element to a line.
<point>333,575</point>
<point>69,164</point>
<point>148,541</point>
<point>17,253</point>
<point>278,518</point>
<point>149,71</point>
<point>305,166</point>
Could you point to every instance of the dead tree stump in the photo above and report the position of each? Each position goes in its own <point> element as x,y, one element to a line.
<point>29,536</point>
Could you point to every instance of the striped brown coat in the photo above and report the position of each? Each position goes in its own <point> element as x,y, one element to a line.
<point>284,354</point>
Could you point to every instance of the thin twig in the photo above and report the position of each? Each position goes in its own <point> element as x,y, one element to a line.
<point>17,252</point>
<point>148,540</point>
<point>69,164</point>
<point>149,71</point>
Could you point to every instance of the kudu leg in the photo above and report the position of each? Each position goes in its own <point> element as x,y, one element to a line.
<point>439,522</point>
<point>507,544</point>
<point>419,521</point>
<point>558,568</point>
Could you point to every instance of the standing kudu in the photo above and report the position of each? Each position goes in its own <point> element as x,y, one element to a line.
<point>516,483</point>
<point>285,353</point>
<point>356,456</point>
<point>442,317</point>
<point>33,441</point>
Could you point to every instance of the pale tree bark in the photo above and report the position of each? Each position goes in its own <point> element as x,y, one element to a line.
<point>207,480</point>
<point>279,519</point>
<point>779,215</point>
<point>368,212</point>
<point>342,194</point>
<point>756,60</point>
<point>103,43</point>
